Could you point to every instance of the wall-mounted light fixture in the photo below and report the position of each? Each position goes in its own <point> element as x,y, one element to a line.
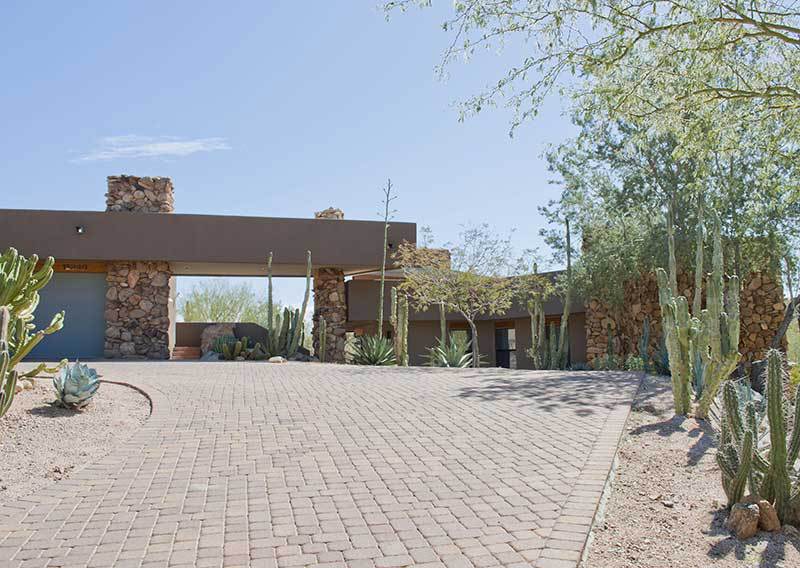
<point>80,229</point>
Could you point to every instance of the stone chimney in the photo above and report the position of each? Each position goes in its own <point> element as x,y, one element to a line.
<point>140,194</point>
<point>330,213</point>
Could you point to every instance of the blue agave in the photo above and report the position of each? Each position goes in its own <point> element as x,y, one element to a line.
<point>75,385</point>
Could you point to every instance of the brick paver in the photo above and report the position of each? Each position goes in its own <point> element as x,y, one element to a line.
<point>247,464</point>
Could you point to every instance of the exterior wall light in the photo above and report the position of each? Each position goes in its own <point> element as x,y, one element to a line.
<point>80,229</point>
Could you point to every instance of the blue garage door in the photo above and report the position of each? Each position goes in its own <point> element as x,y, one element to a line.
<point>82,297</point>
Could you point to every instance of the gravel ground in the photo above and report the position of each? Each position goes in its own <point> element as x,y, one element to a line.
<point>41,443</point>
<point>667,506</point>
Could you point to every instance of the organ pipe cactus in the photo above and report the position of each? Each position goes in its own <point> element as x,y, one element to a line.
<point>285,334</point>
<point>703,350</point>
<point>769,471</point>
<point>75,385</point>
<point>718,342</point>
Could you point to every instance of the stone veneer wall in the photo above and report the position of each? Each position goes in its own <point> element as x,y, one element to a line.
<point>137,310</point>
<point>761,305</point>
<point>140,194</point>
<point>330,303</point>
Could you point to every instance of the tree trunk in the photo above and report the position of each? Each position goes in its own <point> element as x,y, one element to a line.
<point>788,316</point>
<point>476,352</point>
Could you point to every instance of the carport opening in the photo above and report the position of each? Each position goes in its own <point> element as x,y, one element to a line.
<point>205,300</point>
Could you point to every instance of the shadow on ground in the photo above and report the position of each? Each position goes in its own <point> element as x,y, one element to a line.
<point>549,390</point>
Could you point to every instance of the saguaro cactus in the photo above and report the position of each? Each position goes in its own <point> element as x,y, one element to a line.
<point>323,338</point>
<point>644,343</point>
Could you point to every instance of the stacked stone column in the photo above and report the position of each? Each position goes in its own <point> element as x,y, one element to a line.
<point>330,303</point>
<point>138,294</point>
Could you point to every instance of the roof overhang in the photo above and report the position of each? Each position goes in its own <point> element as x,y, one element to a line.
<point>201,244</point>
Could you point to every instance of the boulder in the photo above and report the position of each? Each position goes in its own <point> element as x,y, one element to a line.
<point>743,520</point>
<point>767,515</point>
<point>209,356</point>
<point>212,332</point>
<point>276,359</point>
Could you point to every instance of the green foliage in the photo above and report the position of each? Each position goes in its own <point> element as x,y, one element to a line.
<point>75,385</point>
<point>453,353</point>
<point>219,301</point>
<point>532,290</point>
<point>635,363</point>
<point>373,350</point>
<point>769,471</point>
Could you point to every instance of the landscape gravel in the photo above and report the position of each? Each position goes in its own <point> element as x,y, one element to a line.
<point>41,443</point>
<point>666,507</point>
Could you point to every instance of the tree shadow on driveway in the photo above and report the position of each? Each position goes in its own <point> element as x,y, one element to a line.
<point>581,391</point>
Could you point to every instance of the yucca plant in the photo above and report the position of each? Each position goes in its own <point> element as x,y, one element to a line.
<point>373,350</point>
<point>75,385</point>
<point>453,353</point>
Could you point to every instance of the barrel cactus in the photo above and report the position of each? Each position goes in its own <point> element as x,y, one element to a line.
<point>75,385</point>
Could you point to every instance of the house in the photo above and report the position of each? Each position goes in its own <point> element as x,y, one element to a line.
<point>116,269</point>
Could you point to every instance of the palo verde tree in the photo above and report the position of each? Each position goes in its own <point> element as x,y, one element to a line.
<point>473,281</point>
<point>700,68</point>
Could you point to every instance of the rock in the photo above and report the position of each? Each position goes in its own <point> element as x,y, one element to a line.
<point>209,356</point>
<point>767,515</point>
<point>212,332</point>
<point>27,384</point>
<point>276,359</point>
<point>743,520</point>
<point>329,213</point>
<point>18,388</point>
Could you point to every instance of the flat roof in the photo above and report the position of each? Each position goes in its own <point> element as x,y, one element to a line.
<point>202,244</point>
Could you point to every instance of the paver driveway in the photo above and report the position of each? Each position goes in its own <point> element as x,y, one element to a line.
<point>247,464</point>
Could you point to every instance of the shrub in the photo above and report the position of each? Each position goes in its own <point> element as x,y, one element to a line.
<point>373,350</point>
<point>453,353</point>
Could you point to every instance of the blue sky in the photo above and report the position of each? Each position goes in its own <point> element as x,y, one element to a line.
<point>272,108</point>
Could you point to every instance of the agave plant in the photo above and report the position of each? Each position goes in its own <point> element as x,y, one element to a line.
<point>75,385</point>
<point>453,353</point>
<point>373,350</point>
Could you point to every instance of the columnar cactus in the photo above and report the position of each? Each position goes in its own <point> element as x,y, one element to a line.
<point>285,334</point>
<point>644,343</point>
<point>703,350</point>
<point>770,472</point>
<point>20,282</point>
<point>718,341</point>
<point>323,338</point>
<point>8,376</point>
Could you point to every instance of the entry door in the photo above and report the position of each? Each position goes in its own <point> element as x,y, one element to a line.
<point>505,345</point>
<point>82,297</point>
